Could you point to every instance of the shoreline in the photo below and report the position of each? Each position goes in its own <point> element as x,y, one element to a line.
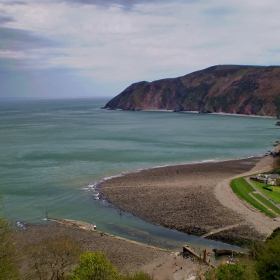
<point>122,191</point>
<point>97,184</point>
<point>118,250</point>
<point>161,263</point>
<point>228,198</point>
<point>243,115</point>
<point>125,255</point>
<point>198,112</point>
<point>89,227</point>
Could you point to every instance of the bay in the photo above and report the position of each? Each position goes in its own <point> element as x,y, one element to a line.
<point>54,151</point>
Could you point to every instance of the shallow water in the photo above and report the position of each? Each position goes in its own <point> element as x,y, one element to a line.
<point>53,151</point>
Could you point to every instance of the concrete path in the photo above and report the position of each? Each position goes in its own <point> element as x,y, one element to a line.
<point>269,209</point>
<point>260,193</point>
<point>221,229</point>
<point>225,195</point>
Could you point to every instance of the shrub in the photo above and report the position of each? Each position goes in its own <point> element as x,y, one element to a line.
<point>94,266</point>
<point>52,258</point>
<point>236,271</point>
<point>267,188</point>
<point>137,276</point>
<point>8,267</point>
<point>268,262</point>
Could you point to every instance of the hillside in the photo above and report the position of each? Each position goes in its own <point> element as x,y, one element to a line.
<point>250,90</point>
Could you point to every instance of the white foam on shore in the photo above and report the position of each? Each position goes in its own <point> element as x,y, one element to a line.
<point>198,112</point>
<point>96,185</point>
<point>242,115</point>
<point>158,110</point>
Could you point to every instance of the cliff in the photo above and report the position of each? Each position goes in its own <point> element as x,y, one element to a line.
<point>250,90</point>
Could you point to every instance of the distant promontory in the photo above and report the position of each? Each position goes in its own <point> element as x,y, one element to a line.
<point>234,89</point>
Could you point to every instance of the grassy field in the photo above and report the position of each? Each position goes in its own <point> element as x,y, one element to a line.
<point>274,194</point>
<point>242,189</point>
<point>267,203</point>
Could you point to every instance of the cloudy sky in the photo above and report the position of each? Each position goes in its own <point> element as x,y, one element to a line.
<point>83,48</point>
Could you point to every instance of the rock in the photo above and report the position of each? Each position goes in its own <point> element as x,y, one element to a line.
<point>235,89</point>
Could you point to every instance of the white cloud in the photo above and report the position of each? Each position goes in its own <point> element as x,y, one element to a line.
<point>12,54</point>
<point>150,41</point>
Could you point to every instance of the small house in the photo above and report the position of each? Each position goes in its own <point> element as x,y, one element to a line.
<point>271,182</point>
<point>274,176</point>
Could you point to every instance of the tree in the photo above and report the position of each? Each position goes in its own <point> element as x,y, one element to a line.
<point>268,262</point>
<point>94,266</point>
<point>241,270</point>
<point>8,267</point>
<point>263,263</point>
<point>52,258</point>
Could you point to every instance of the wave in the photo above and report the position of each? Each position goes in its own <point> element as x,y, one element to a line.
<point>96,186</point>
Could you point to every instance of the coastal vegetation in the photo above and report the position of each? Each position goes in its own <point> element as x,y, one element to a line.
<point>96,266</point>
<point>263,263</point>
<point>58,258</point>
<point>8,258</point>
<point>240,270</point>
<point>272,192</point>
<point>269,194</point>
<point>51,258</point>
<point>266,203</point>
<point>246,192</point>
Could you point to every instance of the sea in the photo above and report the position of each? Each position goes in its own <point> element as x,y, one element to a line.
<point>55,152</point>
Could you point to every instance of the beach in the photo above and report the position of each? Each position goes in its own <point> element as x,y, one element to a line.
<point>195,199</point>
<point>126,255</point>
<point>89,144</point>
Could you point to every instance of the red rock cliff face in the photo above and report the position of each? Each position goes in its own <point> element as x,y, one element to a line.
<point>251,90</point>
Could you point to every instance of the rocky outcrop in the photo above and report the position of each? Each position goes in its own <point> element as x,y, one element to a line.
<point>250,90</point>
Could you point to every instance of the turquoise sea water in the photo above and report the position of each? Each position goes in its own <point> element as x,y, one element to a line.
<point>53,152</point>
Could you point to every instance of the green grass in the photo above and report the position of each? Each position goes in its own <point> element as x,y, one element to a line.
<point>242,189</point>
<point>274,195</point>
<point>137,99</point>
<point>266,202</point>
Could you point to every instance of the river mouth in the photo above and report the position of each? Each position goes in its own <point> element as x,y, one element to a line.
<point>131,227</point>
<point>150,235</point>
<point>158,236</point>
<point>125,225</point>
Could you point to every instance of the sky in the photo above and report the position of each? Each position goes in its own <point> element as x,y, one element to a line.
<point>97,48</point>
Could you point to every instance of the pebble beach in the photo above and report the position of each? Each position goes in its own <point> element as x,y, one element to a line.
<point>193,198</point>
